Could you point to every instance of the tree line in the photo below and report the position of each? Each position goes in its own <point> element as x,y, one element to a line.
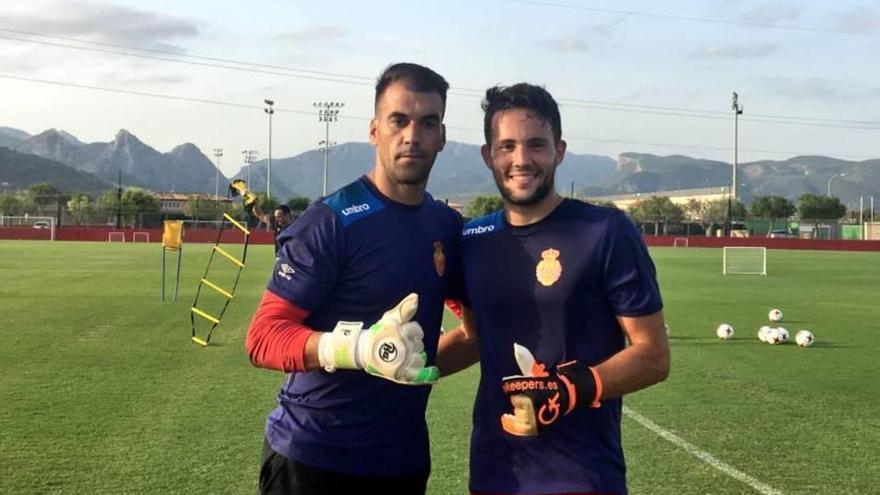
<point>662,211</point>
<point>135,207</point>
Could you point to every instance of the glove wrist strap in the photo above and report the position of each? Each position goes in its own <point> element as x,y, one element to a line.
<point>338,349</point>
<point>585,381</point>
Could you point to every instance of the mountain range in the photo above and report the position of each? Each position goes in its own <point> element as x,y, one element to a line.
<point>458,173</point>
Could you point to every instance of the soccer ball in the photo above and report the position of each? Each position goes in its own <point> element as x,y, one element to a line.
<point>724,331</point>
<point>763,332</point>
<point>773,336</point>
<point>667,328</point>
<point>783,333</point>
<point>775,315</point>
<point>804,338</point>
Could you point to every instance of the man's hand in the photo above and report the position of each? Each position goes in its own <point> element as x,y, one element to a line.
<point>539,399</point>
<point>391,348</point>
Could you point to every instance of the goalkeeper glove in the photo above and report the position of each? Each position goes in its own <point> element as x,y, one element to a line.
<point>391,348</point>
<point>539,399</point>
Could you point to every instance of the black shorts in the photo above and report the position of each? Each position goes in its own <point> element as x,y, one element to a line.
<point>282,476</point>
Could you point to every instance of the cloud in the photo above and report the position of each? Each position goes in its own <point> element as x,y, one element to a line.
<point>751,50</point>
<point>818,89</point>
<point>316,34</point>
<point>587,37</point>
<point>772,13</point>
<point>101,22</point>
<point>122,80</point>
<point>571,43</point>
<point>862,19</point>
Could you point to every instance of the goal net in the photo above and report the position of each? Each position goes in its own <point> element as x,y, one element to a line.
<point>680,242</point>
<point>140,237</point>
<point>745,260</point>
<point>115,236</point>
<point>27,227</point>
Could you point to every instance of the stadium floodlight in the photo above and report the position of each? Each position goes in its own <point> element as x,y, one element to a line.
<point>739,260</point>
<point>270,110</point>
<point>218,152</point>
<point>328,111</point>
<point>737,111</point>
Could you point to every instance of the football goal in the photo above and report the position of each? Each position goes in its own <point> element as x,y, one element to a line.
<point>115,236</point>
<point>140,237</point>
<point>872,231</point>
<point>745,261</point>
<point>28,227</point>
<point>680,242</point>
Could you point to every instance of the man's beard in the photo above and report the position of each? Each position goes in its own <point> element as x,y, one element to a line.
<point>412,174</point>
<point>540,193</point>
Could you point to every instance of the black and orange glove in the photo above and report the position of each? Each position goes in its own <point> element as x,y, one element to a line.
<point>540,398</point>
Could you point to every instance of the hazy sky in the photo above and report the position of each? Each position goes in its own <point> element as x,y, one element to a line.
<point>645,76</point>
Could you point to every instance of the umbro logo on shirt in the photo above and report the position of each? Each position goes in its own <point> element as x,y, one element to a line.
<point>355,209</point>
<point>481,229</point>
<point>286,271</point>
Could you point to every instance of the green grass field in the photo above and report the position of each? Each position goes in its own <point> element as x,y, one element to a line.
<point>102,391</point>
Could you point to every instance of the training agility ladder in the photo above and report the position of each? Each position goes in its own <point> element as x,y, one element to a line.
<point>237,188</point>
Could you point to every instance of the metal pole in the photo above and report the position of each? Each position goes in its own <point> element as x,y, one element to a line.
<point>327,112</point>
<point>119,201</point>
<point>269,110</point>
<point>326,154</point>
<point>872,209</point>
<point>861,210</point>
<point>731,197</point>
<point>218,152</point>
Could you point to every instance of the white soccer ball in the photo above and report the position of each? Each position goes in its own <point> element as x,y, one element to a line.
<point>775,315</point>
<point>763,332</point>
<point>667,328</point>
<point>724,331</point>
<point>783,332</point>
<point>804,338</point>
<point>774,336</point>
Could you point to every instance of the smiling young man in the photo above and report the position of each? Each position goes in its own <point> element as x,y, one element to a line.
<point>378,251</point>
<point>554,288</point>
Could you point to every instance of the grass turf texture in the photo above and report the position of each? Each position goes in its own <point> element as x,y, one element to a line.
<point>102,391</point>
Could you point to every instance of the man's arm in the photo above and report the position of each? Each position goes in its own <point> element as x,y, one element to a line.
<point>279,339</point>
<point>643,363</point>
<point>459,348</point>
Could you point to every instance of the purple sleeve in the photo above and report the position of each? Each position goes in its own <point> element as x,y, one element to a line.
<point>629,274</point>
<point>307,265</point>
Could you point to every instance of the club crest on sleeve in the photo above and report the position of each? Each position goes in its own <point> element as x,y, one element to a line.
<point>549,269</point>
<point>286,271</point>
<point>439,258</point>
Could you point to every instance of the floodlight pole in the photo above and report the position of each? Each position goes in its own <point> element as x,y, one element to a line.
<point>119,201</point>
<point>250,156</point>
<point>328,111</point>
<point>731,196</point>
<point>270,110</point>
<point>218,152</point>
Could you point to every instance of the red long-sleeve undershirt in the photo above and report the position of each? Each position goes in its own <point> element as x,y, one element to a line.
<point>276,338</point>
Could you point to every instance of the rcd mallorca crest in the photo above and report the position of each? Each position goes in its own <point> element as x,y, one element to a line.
<point>549,269</point>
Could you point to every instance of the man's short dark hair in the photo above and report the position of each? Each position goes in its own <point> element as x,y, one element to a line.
<point>418,78</point>
<point>522,95</point>
<point>284,208</point>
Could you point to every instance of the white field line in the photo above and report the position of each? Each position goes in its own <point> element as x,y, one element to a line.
<point>704,456</point>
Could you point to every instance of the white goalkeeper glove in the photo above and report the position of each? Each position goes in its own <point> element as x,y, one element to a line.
<point>391,348</point>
